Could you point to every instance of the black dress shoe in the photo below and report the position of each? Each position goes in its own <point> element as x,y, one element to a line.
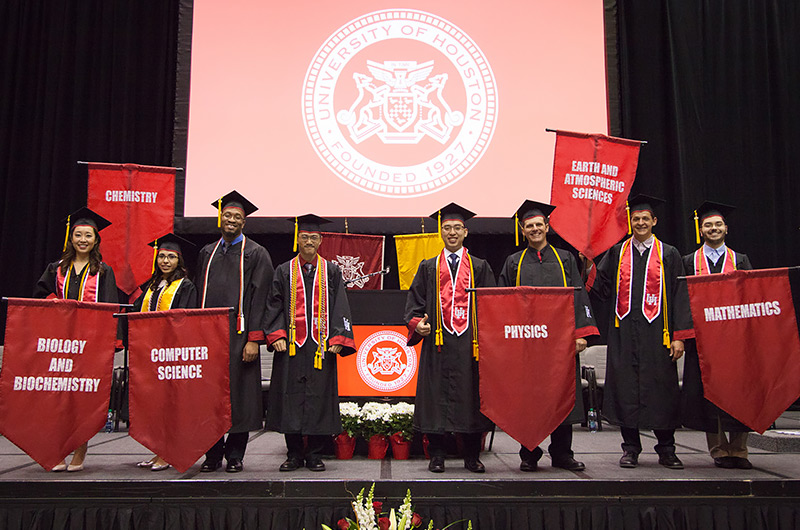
<point>570,464</point>
<point>210,465</point>
<point>234,465</point>
<point>436,465</point>
<point>670,461</point>
<point>741,463</point>
<point>528,465</point>
<point>291,464</point>
<point>474,465</point>
<point>629,460</point>
<point>724,462</point>
<point>315,464</point>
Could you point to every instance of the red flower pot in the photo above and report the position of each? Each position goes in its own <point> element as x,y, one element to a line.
<point>344,445</point>
<point>378,445</point>
<point>401,449</point>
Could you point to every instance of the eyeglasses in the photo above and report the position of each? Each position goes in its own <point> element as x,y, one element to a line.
<point>168,256</point>
<point>457,228</point>
<point>309,237</point>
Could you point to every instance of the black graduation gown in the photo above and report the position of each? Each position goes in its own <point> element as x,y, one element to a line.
<point>185,296</point>
<point>223,291</point>
<point>303,399</point>
<point>547,273</point>
<point>106,284</point>
<point>641,389</point>
<point>697,412</point>
<point>448,397</point>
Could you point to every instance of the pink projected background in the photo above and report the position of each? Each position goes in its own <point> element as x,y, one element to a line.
<point>364,108</point>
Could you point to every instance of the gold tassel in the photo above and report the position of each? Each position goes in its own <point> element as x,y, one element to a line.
<point>294,247</point>
<point>439,222</point>
<point>155,257</point>
<point>516,230</point>
<point>667,342</point>
<point>628,216</point>
<point>475,349</point>
<point>439,339</point>
<point>616,321</point>
<point>66,236</point>
<point>318,359</point>
<point>696,228</point>
<point>219,213</point>
<point>292,349</point>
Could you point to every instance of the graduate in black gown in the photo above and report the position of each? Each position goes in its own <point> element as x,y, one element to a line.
<point>80,274</point>
<point>308,324</point>
<point>168,288</point>
<point>440,312</point>
<point>235,271</point>
<point>640,278</point>
<point>542,265</point>
<point>714,257</point>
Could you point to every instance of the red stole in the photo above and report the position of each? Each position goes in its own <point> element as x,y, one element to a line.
<point>701,262</point>
<point>653,281</point>
<point>454,300</point>
<point>88,284</point>
<point>319,305</point>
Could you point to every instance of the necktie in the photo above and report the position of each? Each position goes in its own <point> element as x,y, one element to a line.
<point>453,263</point>
<point>307,267</point>
<point>225,247</point>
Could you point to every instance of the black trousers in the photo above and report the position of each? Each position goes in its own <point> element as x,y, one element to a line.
<point>560,448</point>
<point>632,442</point>
<point>295,448</point>
<point>471,444</point>
<point>232,448</point>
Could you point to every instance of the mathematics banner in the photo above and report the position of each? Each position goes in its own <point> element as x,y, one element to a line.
<point>140,203</point>
<point>526,337</point>
<point>592,177</point>
<point>179,381</point>
<point>745,324</point>
<point>56,379</point>
<point>358,255</point>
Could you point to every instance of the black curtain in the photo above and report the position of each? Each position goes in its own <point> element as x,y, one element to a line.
<point>713,87</point>
<point>90,80</point>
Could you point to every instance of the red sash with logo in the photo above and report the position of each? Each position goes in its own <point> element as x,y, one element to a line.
<point>319,305</point>
<point>88,285</point>
<point>701,263</point>
<point>453,296</point>
<point>653,288</point>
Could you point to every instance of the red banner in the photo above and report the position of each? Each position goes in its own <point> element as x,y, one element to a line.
<point>592,177</point>
<point>179,382</point>
<point>357,255</point>
<point>527,359</point>
<point>747,342</point>
<point>140,203</point>
<point>56,379</point>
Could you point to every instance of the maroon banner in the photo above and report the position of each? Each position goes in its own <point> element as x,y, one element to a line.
<point>140,203</point>
<point>56,379</point>
<point>592,177</point>
<point>180,402</point>
<point>526,337</point>
<point>747,342</point>
<point>357,255</point>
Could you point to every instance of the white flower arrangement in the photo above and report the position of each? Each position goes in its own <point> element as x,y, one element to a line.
<point>351,418</point>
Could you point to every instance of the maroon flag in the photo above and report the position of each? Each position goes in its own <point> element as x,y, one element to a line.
<point>526,337</point>
<point>179,381</point>
<point>358,255</point>
<point>140,203</point>
<point>747,343</point>
<point>592,177</point>
<point>56,379</point>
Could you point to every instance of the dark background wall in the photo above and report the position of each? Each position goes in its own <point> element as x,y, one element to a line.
<point>712,86</point>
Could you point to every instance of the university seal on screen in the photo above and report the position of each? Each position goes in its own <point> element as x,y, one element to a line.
<point>399,103</point>
<point>384,362</point>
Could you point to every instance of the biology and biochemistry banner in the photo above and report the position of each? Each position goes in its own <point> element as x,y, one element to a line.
<point>526,337</point>
<point>56,379</point>
<point>179,381</point>
<point>745,323</point>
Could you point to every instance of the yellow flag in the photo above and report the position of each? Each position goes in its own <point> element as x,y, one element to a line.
<point>411,250</point>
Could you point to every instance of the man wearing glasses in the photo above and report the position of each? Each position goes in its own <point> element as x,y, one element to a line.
<point>440,312</point>
<point>308,324</point>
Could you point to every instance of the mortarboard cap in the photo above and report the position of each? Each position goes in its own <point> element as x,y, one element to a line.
<point>530,209</point>
<point>453,212</point>
<point>233,199</point>
<point>306,223</point>
<point>83,217</point>
<point>171,242</point>
<point>708,209</point>
<point>643,202</point>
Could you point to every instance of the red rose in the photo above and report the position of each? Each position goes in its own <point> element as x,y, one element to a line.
<point>377,506</point>
<point>383,523</point>
<point>343,524</point>
<point>416,520</point>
